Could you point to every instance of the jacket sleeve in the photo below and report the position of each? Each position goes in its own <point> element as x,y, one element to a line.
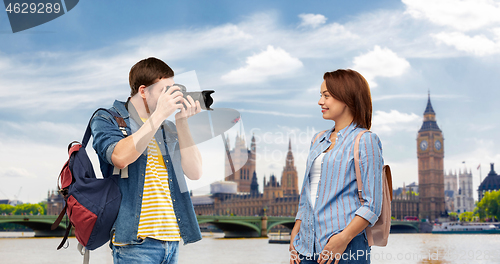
<point>371,163</point>
<point>106,134</point>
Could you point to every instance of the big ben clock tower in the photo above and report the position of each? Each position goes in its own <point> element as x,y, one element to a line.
<point>430,153</point>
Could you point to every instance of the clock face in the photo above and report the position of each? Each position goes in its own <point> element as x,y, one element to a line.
<point>423,145</point>
<point>437,144</point>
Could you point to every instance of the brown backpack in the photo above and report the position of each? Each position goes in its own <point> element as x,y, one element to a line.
<point>377,234</point>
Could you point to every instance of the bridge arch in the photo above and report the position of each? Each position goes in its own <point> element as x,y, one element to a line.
<point>289,223</point>
<point>40,224</point>
<point>404,227</point>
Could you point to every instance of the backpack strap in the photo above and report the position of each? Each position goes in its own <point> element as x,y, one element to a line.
<point>85,253</point>
<point>356,165</point>
<point>59,218</point>
<point>121,124</point>
<point>68,229</point>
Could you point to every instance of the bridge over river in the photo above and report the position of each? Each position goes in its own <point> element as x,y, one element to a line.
<point>233,226</point>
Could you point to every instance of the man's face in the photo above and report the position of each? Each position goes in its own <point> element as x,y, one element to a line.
<point>153,92</point>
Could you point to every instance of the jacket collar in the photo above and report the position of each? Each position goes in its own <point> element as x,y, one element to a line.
<point>340,134</point>
<point>120,108</point>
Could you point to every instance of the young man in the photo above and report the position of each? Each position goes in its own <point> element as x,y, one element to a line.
<point>156,210</point>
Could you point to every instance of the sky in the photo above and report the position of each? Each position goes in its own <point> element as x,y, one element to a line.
<point>264,59</point>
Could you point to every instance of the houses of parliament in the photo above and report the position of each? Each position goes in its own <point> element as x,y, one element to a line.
<point>239,193</point>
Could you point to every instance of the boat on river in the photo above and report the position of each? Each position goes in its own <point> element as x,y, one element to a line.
<point>465,228</point>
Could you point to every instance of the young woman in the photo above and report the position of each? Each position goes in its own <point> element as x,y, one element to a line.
<point>330,221</point>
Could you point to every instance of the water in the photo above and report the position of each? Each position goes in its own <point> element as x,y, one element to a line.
<point>402,248</point>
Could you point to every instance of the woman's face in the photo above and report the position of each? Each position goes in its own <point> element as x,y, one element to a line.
<point>331,108</point>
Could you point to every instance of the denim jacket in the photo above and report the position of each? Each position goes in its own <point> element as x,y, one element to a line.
<point>106,134</point>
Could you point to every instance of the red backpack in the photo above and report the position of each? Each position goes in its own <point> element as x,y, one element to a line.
<point>91,204</point>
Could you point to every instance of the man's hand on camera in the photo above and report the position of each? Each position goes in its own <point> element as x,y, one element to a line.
<point>169,101</point>
<point>192,108</point>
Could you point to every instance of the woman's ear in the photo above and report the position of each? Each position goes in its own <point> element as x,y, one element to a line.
<point>142,91</point>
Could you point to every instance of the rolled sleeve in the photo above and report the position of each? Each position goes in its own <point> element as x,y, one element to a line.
<point>106,134</point>
<point>371,163</point>
<point>109,152</point>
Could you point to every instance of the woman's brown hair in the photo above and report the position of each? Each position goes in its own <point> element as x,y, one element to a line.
<point>351,88</point>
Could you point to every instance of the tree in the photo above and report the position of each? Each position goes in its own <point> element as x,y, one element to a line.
<point>26,209</point>
<point>489,206</point>
<point>466,217</point>
<point>44,207</point>
<point>6,209</point>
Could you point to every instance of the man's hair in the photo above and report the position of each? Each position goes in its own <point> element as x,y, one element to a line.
<point>351,88</point>
<point>147,72</point>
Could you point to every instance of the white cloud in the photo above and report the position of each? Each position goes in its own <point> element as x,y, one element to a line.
<point>389,122</point>
<point>463,15</point>
<point>406,171</point>
<point>381,62</point>
<point>479,16</point>
<point>15,172</point>
<point>479,45</point>
<point>312,20</point>
<point>273,62</point>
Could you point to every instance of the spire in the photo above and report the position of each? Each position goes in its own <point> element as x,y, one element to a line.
<point>253,146</point>
<point>254,186</point>
<point>289,155</point>
<point>492,171</point>
<point>429,123</point>
<point>429,109</point>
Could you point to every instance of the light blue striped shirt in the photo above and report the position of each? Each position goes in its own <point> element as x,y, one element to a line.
<point>337,200</point>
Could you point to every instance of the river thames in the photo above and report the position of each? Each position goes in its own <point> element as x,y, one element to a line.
<point>23,248</point>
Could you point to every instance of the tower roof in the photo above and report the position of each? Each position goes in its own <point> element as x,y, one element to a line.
<point>429,109</point>
<point>289,155</point>
<point>429,123</point>
<point>492,181</point>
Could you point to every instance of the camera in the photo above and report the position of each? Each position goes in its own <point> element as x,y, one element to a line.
<point>204,97</point>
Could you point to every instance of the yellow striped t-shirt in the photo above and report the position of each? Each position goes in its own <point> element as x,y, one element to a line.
<point>157,212</point>
<point>158,219</point>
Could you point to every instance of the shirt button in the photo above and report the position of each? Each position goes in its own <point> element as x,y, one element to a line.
<point>167,161</point>
<point>179,219</point>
